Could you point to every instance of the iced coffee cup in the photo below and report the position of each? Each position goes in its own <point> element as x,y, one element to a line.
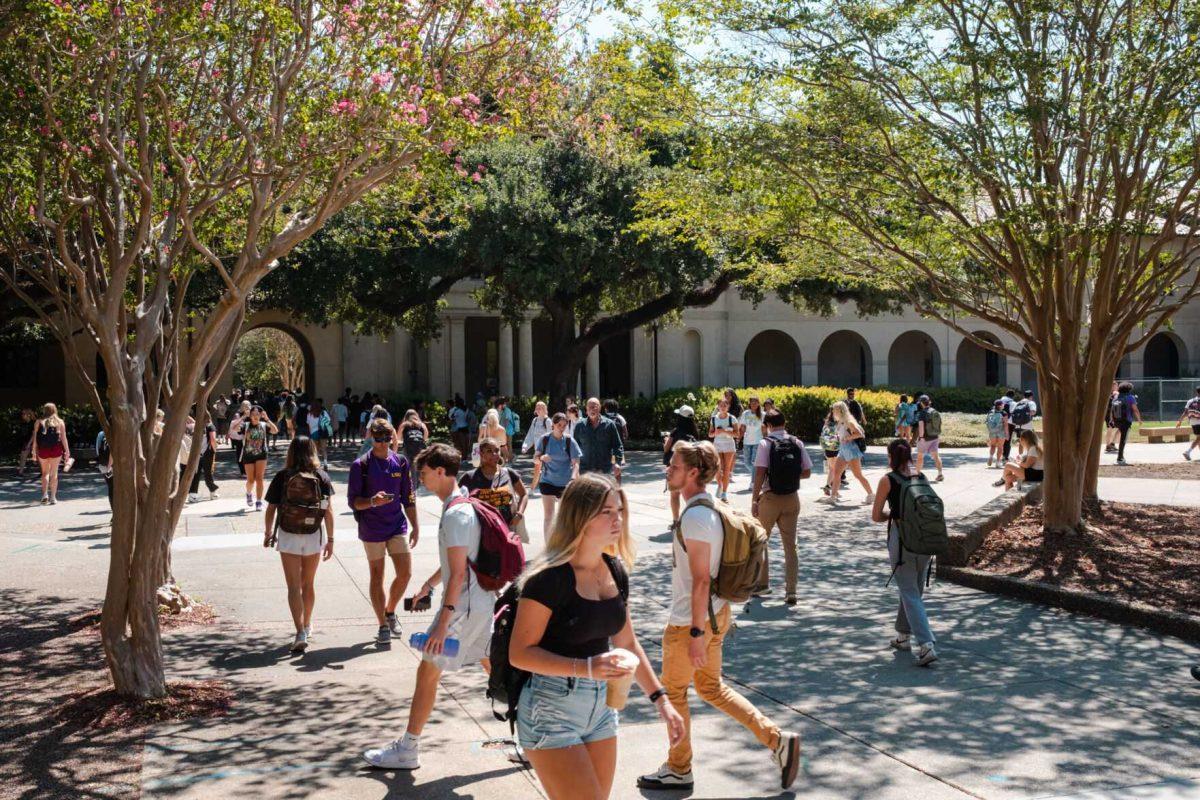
<point>618,688</point>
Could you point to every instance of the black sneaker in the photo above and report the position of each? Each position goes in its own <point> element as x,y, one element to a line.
<point>790,600</point>
<point>787,756</point>
<point>666,779</point>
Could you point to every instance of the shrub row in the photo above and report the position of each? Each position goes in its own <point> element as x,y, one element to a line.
<point>82,428</point>
<point>967,399</point>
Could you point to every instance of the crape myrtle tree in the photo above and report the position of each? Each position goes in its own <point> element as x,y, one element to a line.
<point>147,148</point>
<point>1031,165</point>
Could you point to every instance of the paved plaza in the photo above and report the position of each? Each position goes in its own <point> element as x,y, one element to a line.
<point>1026,701</point>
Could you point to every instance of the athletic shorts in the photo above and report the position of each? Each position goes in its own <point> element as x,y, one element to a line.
<point>558,712</point>
<point>300,544</point>
<point>53,451</point>
<point>927,445</point>
<point>395,546</point>
<point>550,490</point>
<point>1034,476</point>
<point>254,459</point>
<point>831,453</point>
<point>473,632</point>
<point>1196,428</point>
<point>725,444</point>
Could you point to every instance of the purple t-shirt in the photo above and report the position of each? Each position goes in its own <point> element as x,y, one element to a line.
<point>763,457</point>
<point>393,476</point>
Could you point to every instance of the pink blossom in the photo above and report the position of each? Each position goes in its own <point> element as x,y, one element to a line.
<point>381,79</point>
<point>207,8</point>
<point>44,130</point>
<point>345,107</point>
<point>473,99</point>
<point>456,101</point>
<point>86,150</point>
<point>447,146</point>
<point>476,177</point>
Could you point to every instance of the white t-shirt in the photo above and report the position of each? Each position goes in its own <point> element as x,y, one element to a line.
<point>460,528</point>
<point>702,525</point>
<point>753,425</point>
<point>1036,452</point>
<point>314,423</point>
<point>340,412</point>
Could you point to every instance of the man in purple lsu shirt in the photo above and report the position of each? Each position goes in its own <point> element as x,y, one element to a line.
<point>381,496</point>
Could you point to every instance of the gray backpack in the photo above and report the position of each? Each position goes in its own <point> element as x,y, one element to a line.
<point>920,520</point>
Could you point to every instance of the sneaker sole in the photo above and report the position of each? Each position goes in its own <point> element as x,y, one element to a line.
<point>377,766</point>
<point>664,787</point>
<point>925,662</point>
<point>792,769</point>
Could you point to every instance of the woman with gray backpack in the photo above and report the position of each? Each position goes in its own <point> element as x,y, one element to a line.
<point>299,523</point>
<point>916,521</point>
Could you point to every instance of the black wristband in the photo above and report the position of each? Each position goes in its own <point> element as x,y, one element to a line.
<point>657,693</point>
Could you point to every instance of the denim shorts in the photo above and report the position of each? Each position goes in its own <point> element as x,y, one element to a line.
<point>563,712</point>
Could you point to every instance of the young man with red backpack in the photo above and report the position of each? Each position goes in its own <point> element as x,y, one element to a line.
<point>477,555</point>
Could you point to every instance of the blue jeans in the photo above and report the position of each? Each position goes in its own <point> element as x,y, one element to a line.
<point>910,580</point>
<point>749,453</point>
<point>556,712</point>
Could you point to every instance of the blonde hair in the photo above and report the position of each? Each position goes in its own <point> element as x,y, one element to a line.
<point>583,499</point>
<point>699,455</point>
<point>50,417</point>
<point>492,418</point>
<point>841,413</point>
<point>1030,438</point>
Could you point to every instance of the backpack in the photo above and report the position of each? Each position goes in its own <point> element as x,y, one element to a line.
<point>1022,413</point>
<point>995,422</point>
<point>785,466</point>
<point>541,445</point>
<point>501,556</point>
<point>741,556</point>
<point>921,516</point>
<point>933,424</point>
<point>1120,409</point>
<point>303,506</point>
<point>505,681</point>
<point>48,436</point>
<point>103,451</point>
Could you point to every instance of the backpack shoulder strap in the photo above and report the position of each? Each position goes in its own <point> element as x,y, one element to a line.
<point>620,576</point>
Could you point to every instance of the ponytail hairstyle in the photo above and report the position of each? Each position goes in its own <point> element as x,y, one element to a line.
<point>899,455</point>
<point>50,417</point>
<point>583,499</point>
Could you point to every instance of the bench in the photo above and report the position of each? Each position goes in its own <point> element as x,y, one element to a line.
<point>1157,435</point>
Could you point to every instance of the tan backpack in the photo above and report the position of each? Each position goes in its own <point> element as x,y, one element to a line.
<point>741,556</point>
<point>303,508</point>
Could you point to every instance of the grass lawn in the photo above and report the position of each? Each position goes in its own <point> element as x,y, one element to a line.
<point>968,430</point>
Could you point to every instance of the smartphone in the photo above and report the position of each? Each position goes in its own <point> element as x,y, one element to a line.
<point>389,497</point>
<point>425,603</point>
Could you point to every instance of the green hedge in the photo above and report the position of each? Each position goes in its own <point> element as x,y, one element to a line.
<point>82,428</point>
<point>969,400</point>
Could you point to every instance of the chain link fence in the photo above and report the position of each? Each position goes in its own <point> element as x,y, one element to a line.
<point>1162,399</point>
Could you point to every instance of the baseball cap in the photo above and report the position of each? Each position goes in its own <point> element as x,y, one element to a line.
<point>685,411</point>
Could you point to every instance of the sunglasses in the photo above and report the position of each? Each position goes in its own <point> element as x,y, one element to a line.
<point>382,439</point>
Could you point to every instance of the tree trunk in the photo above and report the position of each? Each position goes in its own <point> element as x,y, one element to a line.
<point>563,357</point>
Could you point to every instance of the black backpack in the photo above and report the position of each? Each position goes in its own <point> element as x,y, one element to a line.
<point>1022,413</point>
<point>505,681</point>
<point>786,465</point>
<point>103,451</point>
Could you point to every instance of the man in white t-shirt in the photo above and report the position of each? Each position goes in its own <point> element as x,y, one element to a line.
<point>691,648</point>
<point>465,613</point>
<point>341,419</point>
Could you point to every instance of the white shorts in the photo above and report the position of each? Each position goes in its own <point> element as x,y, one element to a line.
<point>474,634</point>
<point>725,444</point>
<point>300,544</point>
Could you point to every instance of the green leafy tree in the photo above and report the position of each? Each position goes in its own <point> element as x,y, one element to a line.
<point>1032,165</point>
<point>150,148</point>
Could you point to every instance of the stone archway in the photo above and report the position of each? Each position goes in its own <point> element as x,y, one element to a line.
<point>306,351</point>
<point>977,366</point>
<point>914,360</point>
<point>772,359</point>
<point>1163,356</point>
<point>693,358</point>
<point>844,360</point>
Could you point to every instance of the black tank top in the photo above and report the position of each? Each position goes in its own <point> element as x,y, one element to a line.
<point>48,435</point>
<point>414,441</point>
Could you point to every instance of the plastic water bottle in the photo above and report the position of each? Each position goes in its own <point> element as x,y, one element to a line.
<point>449,647</point>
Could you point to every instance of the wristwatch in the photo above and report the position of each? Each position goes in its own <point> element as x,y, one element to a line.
<point>696,633</point>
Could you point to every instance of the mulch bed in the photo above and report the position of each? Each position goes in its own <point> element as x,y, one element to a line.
<point>1179,470</point>
<point>196,614</point>
<point>1149,554</point>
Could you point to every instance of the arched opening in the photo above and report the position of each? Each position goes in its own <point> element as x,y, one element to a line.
<point>1162,357</point>
<point>693,372</point>
<point>914,360</point>
<point>273,356</point>
<point>772,359</point>
<point>616,366</point>
<point>977,366</point>
<point>482,354</point>
<point>844,360</point>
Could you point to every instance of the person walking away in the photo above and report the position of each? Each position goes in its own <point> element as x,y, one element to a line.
<point>600,441</point>
<point>299,523</point>
<point>573,633</point>
<point>465,613</point>
<point>1111,433</point>
<point>781,464</point>
<point>512,426</point>
<point>236,433</point>
<point>539,426</point>
<point>255,431</point>
<point>929,433</point>
<point>50,445</point>
<point>208,456</point>
<point>380,493</point>
<point>1191,412</point>
<point>320,429</point>
<point>1010,402</point>
<point>722,429</point>
<point>460,432</point>
<point>1022,415</point>
<point>829,446</point>
<point>272,409</point>
<point>572,418</point>
<point>221,417</point>
<point>341,419</point>
<point>850,438</point>
<point>750,432</point>
<point>413,435</point>
<point>684,431</point>
<point>903,421</point>
<point>104,464</point>
<point>997,427</point>
<point>612,410</point>
<point>1027,468</point>
<point>498,486</point>
<point>692,642</point>
<point>909,569</point>
<point>557,456</point>
<point>1124,410</point>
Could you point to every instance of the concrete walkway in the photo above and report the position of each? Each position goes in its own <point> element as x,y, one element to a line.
<point>1025,701</point>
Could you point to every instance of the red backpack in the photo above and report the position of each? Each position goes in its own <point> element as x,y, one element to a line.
<point>501,556</point>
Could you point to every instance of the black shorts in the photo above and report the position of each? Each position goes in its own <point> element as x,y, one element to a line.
<point>254,459</point>
<point>1196,428</point>
<point>831,453</point>
<point>550,490</point>
<point>1034,475</point>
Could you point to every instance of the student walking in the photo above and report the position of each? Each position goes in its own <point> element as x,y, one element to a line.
<point>612,410</point>
<point>498,486</point>
<point>320,429</point>
<point>856,409</point>
<point>221,417</point>
<point>692,643</point>
<point>997,427</point>
<point>1021,417</point>
<point>413,435</point>
<point>104,464</point>
<point>299,523</point>
<point>1027,468</point>
<point>380,493</point>
<point>830,444</point>
<point>1010,401</point>
<point>208,457</point>
<point>460,433</point>
<point>572,418</point>
<point>905,411</point>
<point>722,429</point>
<point>235,434</point>
<point>1191,412</point>
<point>782,462</point>
<point>1110,426</point>
<point>255,429</point>
<point>684,431</point>
<point>929,433</point>
<point>511,424</point>
<point>539,426</point>
<point>750,431</point>
<point>1124,410</point>
<point>49,444</point>
<point>850,440</point>
<point>465,613</point>
<point>491,428</point>
<point>573,612</point>
<point>909,569</point>
<point>341,419</point>
<point>600,442</point>
<point>557,455</point>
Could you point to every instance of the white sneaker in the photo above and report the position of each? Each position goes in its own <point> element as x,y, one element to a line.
<point>827,499</point>
<point>902,642</point>
<point>1187,454</point>
<point>214,495</point>
<point>396,755</point>
<point>869,499</point>
<point>787,757</point>
<point>925,655</point>
<point>300,644</point>
<point>664,778</point>
<point>193,498</point>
